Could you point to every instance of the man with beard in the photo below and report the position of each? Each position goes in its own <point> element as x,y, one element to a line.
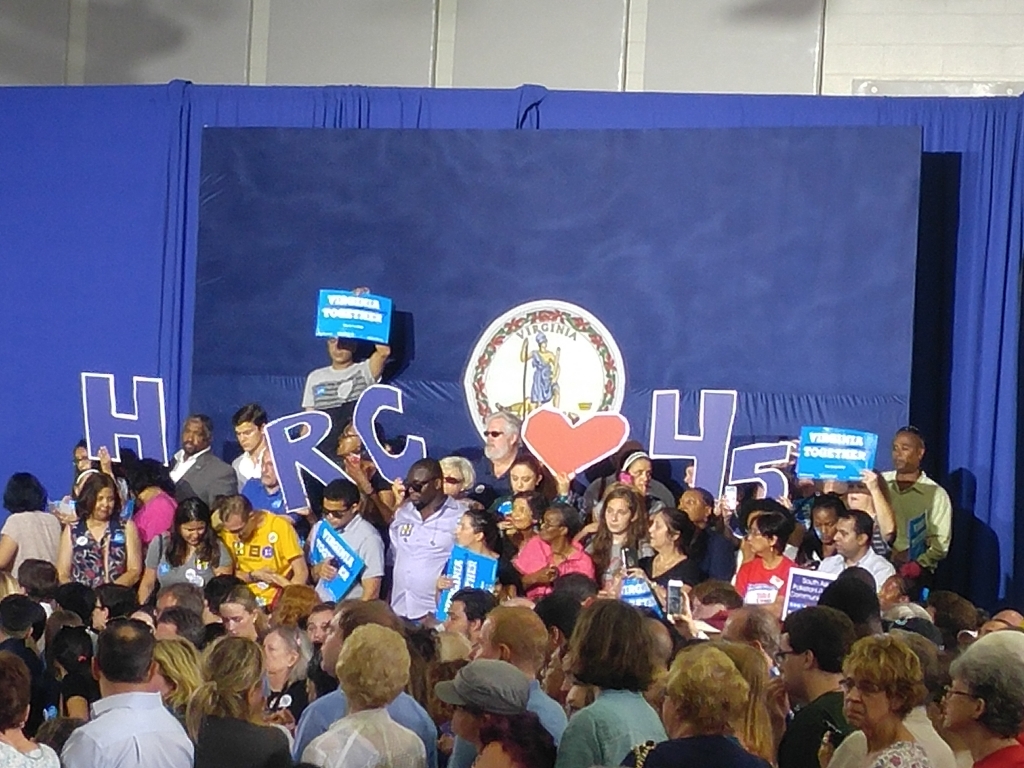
<point>501,444</point>
<point>422,536</point>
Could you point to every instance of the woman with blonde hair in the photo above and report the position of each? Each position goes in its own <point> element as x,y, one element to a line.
<point>882,682</point>
<point>372,669</point>
<point>177,674</point>
<point>755,728</point>
<point>705,702</point>
<point>224,714</point>
<point>457,476</point>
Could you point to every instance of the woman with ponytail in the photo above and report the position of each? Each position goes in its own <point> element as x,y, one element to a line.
<point>223,716</point>
<point>72,664</point>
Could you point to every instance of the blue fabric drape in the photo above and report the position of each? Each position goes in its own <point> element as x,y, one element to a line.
<point>98,223</point>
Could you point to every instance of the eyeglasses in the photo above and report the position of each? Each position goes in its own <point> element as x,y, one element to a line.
<point>417,486</point>
<point>548,524</point>
<point>493,433</point>
<point>848,684</point>
<point>950,691</point>
<point>783,654</point>
<point>337,514</point>
<point>453,480</point>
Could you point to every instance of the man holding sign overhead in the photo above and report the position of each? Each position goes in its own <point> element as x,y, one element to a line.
<point>924,514</point>
<point>355,572</point>
<point>335,388</point>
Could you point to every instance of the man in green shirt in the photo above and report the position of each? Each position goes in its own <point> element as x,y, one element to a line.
<point>924,514</point>
<point>810,660</point>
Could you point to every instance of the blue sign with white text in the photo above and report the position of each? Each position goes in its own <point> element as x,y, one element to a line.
<point>636,591</point>
<point>329,544</point>
<point>804,588</point>
<point>466,569</point>
<point>347,315</point>
<point>827,453</point>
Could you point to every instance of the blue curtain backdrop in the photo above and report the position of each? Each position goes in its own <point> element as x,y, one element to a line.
<point>98,205</point>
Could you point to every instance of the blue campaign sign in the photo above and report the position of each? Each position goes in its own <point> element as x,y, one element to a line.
<point>917,535</point>
<point>343,313</point>
<point>827,453</point>
<point>466,569</point>
<point>804,588</point>
<point>328,544</point>
<point>636,591</point>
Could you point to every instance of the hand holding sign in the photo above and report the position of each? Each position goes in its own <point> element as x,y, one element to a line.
<point>568,449</point>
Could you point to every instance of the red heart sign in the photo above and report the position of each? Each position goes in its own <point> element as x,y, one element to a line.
<point>570,448</point>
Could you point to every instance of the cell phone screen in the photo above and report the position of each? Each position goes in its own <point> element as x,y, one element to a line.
<point>674,598</point>
<point>629,559</point>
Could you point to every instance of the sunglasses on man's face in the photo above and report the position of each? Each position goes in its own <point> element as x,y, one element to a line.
<point>418,486</point>
<point>493,433</point>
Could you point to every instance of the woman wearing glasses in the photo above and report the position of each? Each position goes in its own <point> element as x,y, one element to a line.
<point>984,703</point>
<point>882,681</point>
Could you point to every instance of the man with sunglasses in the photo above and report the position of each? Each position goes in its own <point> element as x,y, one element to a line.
<point>501,445</point>
<point>422,536</point>
<point>341,512</point>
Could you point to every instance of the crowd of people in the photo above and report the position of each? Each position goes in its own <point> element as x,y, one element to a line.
<point>157,616</point>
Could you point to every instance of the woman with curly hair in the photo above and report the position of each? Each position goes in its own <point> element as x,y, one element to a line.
<point>882,681</point>
<point>705,703</point>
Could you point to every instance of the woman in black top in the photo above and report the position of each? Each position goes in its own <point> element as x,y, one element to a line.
<point>224,714</point>
<point>72,660</point>
<point>670,535</point>
<point>286,654</point>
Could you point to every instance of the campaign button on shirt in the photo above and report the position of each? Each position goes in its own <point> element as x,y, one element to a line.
<point>268,553</point>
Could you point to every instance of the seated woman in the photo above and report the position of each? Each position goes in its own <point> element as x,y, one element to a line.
<point>286,654</point>
<point>372,669</point>
<point>520,524</point>
<point>189,552</point>
<point>177,674</point>
<point>553,552</point>
<point>671,534</point>
<point>621,528</point>
<point>16,749</point>
<point>99,548</point>
<point>762,580</point>
<point>223,717</point>
<point>882,681</point>
<point>705,698</point>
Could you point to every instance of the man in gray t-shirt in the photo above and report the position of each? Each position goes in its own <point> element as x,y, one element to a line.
<point>336,387</point>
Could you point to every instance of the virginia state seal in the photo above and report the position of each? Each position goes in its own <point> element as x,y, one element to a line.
<point>544,352</point>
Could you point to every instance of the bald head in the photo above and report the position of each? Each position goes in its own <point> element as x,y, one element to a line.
<point>517,635</point>
<point>661,645</point>
<point>1010,617</point>
<point>753,626</point>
